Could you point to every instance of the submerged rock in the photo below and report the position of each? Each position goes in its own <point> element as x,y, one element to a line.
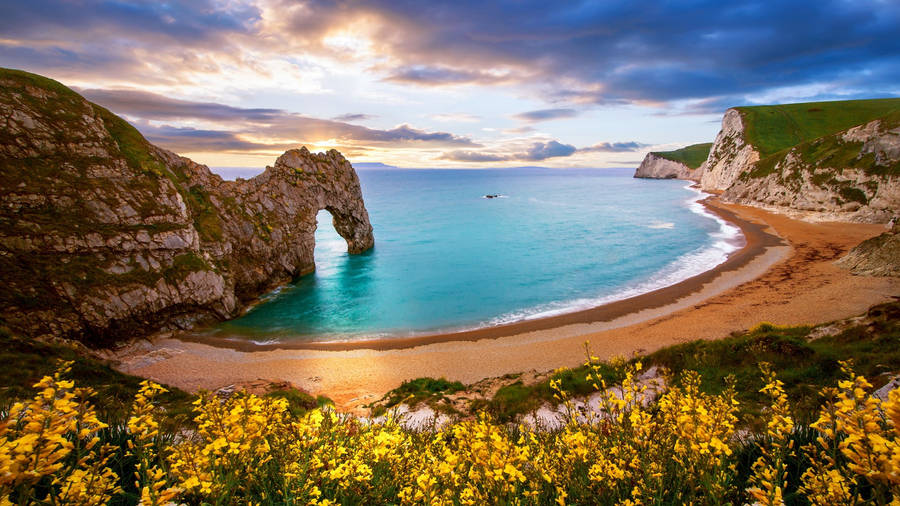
<point>105,236</point>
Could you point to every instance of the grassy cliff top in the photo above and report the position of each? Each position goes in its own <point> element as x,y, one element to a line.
<point>772,128</point>
<point>693,156</point>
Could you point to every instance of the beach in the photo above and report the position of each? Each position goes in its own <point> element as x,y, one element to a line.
<point>783,275</point>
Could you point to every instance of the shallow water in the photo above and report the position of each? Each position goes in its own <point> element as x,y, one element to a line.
<point>446,258</point>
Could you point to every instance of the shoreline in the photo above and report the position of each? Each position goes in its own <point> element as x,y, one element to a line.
<point>756,242</point>
<point>793,283</point>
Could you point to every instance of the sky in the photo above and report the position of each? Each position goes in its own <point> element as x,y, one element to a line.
<point>450,84</point>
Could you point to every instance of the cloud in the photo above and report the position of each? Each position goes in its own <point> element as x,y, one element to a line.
<point>186,139</point>
<point>585,52</point>
<point>604,52</point>
<point>256,123</point>
<point>546,114</point>
<point>535,152</point>
<point>613,147</point>
<point>442,76</point>
<point>349,117</point>
<point>158,107</point>
<point>552,149</point>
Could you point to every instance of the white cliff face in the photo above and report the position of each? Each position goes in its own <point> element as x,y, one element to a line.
<point>819,191</point>
<point>729,155</point>
<point>657,167</point>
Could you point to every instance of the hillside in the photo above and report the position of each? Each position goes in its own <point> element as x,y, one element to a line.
<point>104,236</point>
<point>772,128</point>
<point>691,156</point>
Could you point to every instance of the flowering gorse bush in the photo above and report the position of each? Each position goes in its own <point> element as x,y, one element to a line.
<point>679,449</point>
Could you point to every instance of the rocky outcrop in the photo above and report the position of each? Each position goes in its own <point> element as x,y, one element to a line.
<point>105,236</point>
<point>729,156</point>
<point>655,166</point>
<point>852,175</point>
<point>878,256</point>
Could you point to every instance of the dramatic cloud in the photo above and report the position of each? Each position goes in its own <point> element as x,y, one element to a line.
<point>613,147</point>
<point>546,114</point>
<point>597,52</point>
<point>412,61</point>
<point>604,52</point>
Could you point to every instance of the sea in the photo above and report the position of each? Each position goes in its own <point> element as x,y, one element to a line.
<point>447,258</point>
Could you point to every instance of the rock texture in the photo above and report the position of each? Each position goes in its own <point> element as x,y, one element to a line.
<point>852,175</point>
<point>105,236</point>
<point>657,167</point>
<point>729,156</point>
<point>878,256</point>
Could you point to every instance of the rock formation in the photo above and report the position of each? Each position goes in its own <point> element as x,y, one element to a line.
<point>878,256</point>
<point>729,156</point>
<point>655,166</point>
<point>105,236</point>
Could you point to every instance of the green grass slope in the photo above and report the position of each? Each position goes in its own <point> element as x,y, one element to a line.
<point>772,128</point>
<point>693,156</point>
<point>832,151</point>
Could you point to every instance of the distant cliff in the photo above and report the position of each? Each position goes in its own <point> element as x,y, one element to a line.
<point>681,163</point>
<point>104,236</point>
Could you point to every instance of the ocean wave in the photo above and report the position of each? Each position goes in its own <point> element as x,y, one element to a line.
<point>726,240</point>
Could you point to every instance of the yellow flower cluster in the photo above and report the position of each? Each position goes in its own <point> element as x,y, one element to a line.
<point>770,470</point>
<point>679,449</point>
<point>49,448</point>
<point>859,444</point>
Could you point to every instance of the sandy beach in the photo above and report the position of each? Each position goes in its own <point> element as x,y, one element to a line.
<point>783,275</point>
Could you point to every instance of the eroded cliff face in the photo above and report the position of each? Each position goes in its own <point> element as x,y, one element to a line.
<point>847,176</point>
<point>729,156</point>
<point>657,167</point>
<point>104,236</point>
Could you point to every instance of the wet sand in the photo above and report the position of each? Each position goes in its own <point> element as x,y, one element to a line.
<point>784,275</point>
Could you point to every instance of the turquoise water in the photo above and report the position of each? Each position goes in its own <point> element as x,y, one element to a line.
<point>446,258</point>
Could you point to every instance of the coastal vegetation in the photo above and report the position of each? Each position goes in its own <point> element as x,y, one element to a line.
<point>806,358</point>
<point>832,151</point>
<point>685,448</point>
<point>772,128</point>
<point>768,415</point>
<point>693,156</point>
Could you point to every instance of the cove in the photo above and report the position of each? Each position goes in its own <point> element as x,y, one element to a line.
<point>448,259</point>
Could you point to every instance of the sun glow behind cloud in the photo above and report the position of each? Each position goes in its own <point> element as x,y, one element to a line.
<point>235,82</point>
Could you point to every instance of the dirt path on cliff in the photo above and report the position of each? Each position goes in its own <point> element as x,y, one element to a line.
<point>793,283</point>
